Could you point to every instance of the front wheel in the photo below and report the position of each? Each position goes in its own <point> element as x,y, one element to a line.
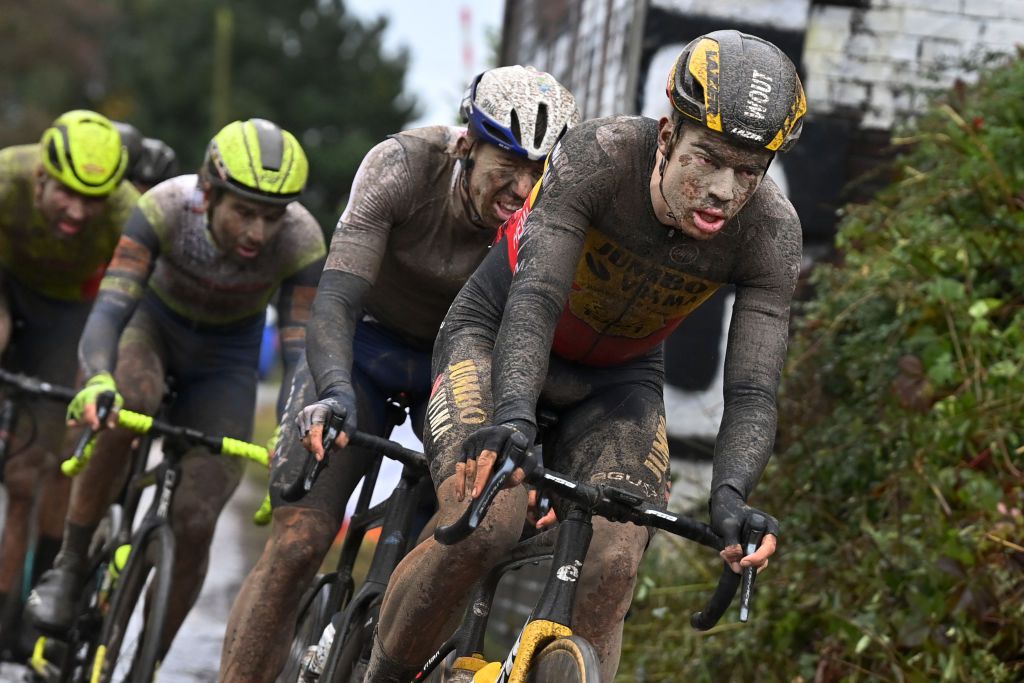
<point>129,644</point>
<point>309,626</point>
<point>565,660</point>
<point>350,652</point>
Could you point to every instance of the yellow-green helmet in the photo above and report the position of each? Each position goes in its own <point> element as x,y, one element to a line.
<point>258,160</point>
<point>83,151</point>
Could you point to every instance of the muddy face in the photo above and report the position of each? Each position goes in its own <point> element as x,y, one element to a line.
<point>706,181</point>
<point>499,182</point>
<point>65,211</point>
<point>242,227</point>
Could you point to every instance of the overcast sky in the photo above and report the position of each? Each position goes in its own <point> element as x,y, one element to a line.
<point>433,32</point>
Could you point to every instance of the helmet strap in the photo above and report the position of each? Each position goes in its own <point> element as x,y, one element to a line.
<point>467,164</point>
<point>661,175</point>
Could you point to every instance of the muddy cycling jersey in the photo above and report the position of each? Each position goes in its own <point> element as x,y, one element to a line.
<point>66,268</point>
<point>168,246</point>
<point>402,250</point>
<point>587,271</point>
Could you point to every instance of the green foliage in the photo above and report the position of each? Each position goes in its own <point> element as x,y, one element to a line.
<point>180,70</point>
<point>899,476</point>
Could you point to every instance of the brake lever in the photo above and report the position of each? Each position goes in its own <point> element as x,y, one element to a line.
<point>512,456</point>
<point>104,404</point>
<point>312,467</point>
<point>758,527</point>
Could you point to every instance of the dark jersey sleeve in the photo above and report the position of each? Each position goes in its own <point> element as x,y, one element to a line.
<point>379,199</point>
<point>294,308</point>
<point>756,351</point>
<point>574,182</point>
<point>120,291</point>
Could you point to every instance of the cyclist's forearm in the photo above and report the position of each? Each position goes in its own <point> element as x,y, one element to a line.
<point>754,358</point>
<point>97,349</point>
<point>120,292</point>
<point>536,297</point>
<point>745,438</point>
<point>332,327</point>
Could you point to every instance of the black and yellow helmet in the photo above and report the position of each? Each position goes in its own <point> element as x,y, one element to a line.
<point>83,150</point>
<point>258,160</point>
<point>741,86</point>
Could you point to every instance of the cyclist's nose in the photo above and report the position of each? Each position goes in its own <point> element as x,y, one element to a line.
<point>523,183</point>
<point>75,208</point>
<point>722,184</point>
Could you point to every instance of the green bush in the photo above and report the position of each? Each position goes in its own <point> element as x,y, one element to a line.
<point>898,478</point>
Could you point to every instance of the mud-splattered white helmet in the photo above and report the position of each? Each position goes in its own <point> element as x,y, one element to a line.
<point>519,109</point>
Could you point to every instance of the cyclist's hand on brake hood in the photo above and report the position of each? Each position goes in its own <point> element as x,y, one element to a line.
<point>480,452</point>
<point>82,409</point>
<point>312,418</point>
<point>729,518</point>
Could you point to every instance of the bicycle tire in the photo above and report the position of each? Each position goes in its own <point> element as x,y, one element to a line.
<point>155,557</point>
<point>309,626</point>
<point>565,660</point>
<point>343,662</point>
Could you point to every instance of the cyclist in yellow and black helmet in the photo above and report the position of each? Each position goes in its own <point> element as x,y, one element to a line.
<point>185,295</point>
<point>634,224</point>
<point>62,207</point>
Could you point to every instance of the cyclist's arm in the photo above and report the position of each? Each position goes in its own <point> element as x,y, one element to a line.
<point>380,195</point>
<point>294,304</point>
<point>120,291</point>
<point>755,354</point>
<point>549,250</point>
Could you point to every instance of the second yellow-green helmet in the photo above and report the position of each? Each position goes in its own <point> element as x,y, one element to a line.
<point>257,159</point>
<point>83,151</point>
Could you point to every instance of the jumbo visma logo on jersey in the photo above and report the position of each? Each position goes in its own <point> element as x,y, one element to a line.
<point>621,294</point>
<point>622,305</point>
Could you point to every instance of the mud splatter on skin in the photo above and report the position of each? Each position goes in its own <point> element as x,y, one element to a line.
<point>708,173</point>
<point>500,179</point>
<point>260,627</point>
<point>426,595</point>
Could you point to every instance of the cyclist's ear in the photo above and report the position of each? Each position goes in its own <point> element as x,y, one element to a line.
<point>665,129</point>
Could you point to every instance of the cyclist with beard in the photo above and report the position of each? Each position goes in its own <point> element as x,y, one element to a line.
<point>62,207</point>
<point>424,209</point>
<point>185,295</point>
<point>634,224</point>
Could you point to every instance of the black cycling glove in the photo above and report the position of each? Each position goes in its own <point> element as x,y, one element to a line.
<point>496,438</point>
<point>730,516</point>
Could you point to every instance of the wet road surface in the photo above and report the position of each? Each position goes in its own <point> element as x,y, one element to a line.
<point>195,655</point>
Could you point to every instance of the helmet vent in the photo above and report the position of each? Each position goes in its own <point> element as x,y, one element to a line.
<point>514,127</point>
<point>271,145</point>
<point>542,125</point>
<point>51,151</point>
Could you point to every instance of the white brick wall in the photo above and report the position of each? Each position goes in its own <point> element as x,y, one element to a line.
<point>781,14</point>
<point>885,60</point>
<point>878,65</point>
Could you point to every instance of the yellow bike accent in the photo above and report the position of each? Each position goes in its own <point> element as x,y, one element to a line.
<point>474,663</point>
<point>488,674</point>
<point>262,516</point>
<point>97,664</point>
<point>120,560</point>
<point>38,661</point>
<point>534,638</point>
<point>73,466</point>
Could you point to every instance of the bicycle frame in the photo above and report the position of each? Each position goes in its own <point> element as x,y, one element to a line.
<point>552,615</point>
<point>395,517</point>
